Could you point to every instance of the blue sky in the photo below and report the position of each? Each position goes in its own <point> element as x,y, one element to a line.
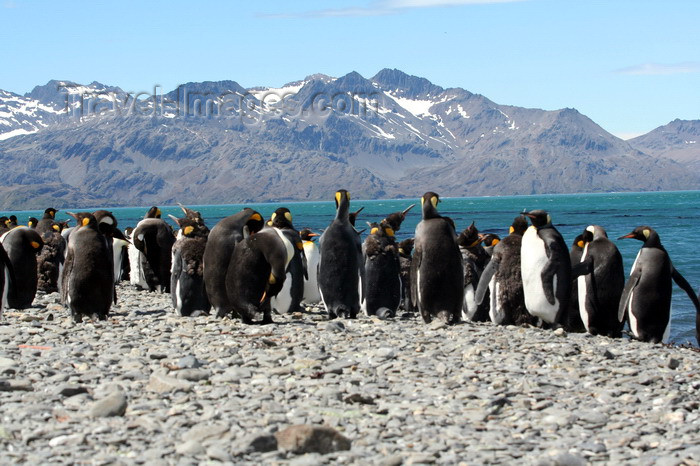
<point>629,65</point>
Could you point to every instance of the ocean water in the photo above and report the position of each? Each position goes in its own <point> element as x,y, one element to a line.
<point>674,215</point>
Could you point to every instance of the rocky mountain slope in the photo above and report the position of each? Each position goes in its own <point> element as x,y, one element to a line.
<point>393,135</point>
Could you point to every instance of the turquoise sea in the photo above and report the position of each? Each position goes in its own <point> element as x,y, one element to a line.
<point>674,215</point>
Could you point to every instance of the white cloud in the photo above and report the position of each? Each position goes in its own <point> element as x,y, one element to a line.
<point>647,69</point>
<point>384,7</point>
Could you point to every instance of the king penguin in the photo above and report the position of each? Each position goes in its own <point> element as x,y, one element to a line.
<point>88,284</point>
<point>503,278</point>
<point>546,269</point>
<point>22,245</point>
<point>50,261</point>
<point>437,276</point>
<point>341,269</point>
<point>288,300</point>
<point>222,240</point>
<point>646,298</point>
<point>382,283</point>
<point>154,238</point>
<point>600,281</point>
<point>186,279</point>
<point>474,260</point>
<point>257,272</point>
<point>311,294</point>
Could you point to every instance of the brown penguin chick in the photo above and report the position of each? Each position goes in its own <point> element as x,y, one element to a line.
<point>396,219</point>
<point>187,277</point>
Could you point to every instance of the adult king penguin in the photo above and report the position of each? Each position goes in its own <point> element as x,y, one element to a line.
<point>600,281</point>
<point>311,294</point>
<point>341,269</point>
<point>646,298</point>
<point>221,243</point>
<point>22,245</point>
<point>88,284</point>
<point>546,269</point>
<point>155,239</point>
<point>288,300</point>
<point>437,276</point>
<point>257,272</point>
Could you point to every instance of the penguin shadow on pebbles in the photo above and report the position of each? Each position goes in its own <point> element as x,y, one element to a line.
<point>186,279</point>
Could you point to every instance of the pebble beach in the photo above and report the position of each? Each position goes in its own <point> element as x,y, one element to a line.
<point>150,387</point>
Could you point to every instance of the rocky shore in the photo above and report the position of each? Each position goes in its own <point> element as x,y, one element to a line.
<point>149,387</point>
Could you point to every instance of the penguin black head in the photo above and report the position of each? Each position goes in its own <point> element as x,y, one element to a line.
<point>153,212</point>
<point>50,213</point>
<point>13,221</point>
<point>429,203</point>
<point>342,204</point>
<point>4,221</point>
<point>539,218</point>
<point>490,239</point>
<point>406,247</point>
<point>593,232</point>
<point>281,218</point>
<point>353,215</point>
<point>643,233</point>
<point>31,223</point>
<point>84,219</point>
<point>128,231</point>
<point>106,222</point>
<point>396,219</point>
<point>307,235</point>
<point>254,224</point>
<point>63,225</point>
<point>470,237</point>
<point>190,227</point>
<point>580,242</point>
<point>519,226</point>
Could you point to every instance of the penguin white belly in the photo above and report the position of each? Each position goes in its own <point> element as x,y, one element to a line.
<point>118,251</point>
<point>178,297</point>
<point>496,312</point>
<point>634,327</point>
<point>582,290</point>
<point>311,293</point>
<point>470,306</point>
<point>5,290</point>
<point>533,260</point>
<point>136,276</point>
<point>283,301</point>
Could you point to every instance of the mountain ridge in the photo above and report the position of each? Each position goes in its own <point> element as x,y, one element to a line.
<point>392,135</point>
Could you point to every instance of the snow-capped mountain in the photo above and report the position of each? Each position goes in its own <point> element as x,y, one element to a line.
<point>392,135</point>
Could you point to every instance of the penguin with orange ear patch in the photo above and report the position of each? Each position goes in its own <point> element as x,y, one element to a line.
<point>646,298</point>
<point>22,245</point>
<point>221,243</point>
<point>186,278</point>
<point>257,273</point>
<point>87,279</point>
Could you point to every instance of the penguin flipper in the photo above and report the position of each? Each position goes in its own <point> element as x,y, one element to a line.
<point>67,271</point>
<point>582,268</point>
<point>485,279</point>
<point>685,286</point>
<point>548,282</point>
<point>627,293</point>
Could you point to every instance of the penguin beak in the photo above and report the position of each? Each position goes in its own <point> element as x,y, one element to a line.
<point>528,215</point>
<point>313,234</point>
<point>630,235</point>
